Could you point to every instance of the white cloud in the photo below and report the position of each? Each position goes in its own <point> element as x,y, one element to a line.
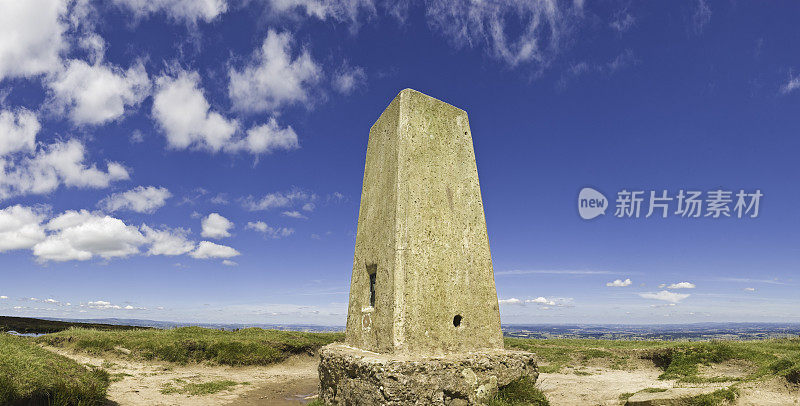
<point>309,207</point>
<point>749,289</point>
<point>97,94</point>
<point>512,301</point>
<point>18,131</point>
<point>539,27</point>
<point>618,283</point>
<point>102,304</point>
<point>347,79</point>
<point>182,112</point>
<point>31,36</point>
<point>139,199</point>
<point>701,17</point>
<point>294,214</point>
<point>189,11</point>
<point>681,285</point>
<point>228,262</point>
<point>60,162</point>
<point>81,235</point>
<point>272,232</point>
<point>664,295</point>
<point>791,85</point>
<point>216,226</point>
<point>623,21</point>
<point>207,249</point>
<point>20,228</point>
<point>339,10</point>
<point>541,301</point>
<point>168,241</point>
<point>278,199</point>
<point>266,138</point>
<point>273,79</point>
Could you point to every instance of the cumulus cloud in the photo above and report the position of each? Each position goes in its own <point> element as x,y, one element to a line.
<point>273,78</point>
<point>59,163</point>
<point>665,295</point>
<point>183,113</point>
<point>31,36</point>
<point>278,200</point>
<point>347,79</point>
<point>189,11</point>
<point>294,214</point>
<point>271,232</point>
<point>18,131</point>
<point>97,94</point>
<point>681,285</point>
<point>139,199</point>
<point>20,228</point>
<point>216,226</point>
<point>208,249</point>
<point>266,138</point>
<point>619,283</point>
<point>539,27</point>
<point>81,235</point>
<point>168,241</point>
<point>511,301</point>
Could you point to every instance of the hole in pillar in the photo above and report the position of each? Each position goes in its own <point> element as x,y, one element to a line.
<point>457,320</point>
<point>372,271</point>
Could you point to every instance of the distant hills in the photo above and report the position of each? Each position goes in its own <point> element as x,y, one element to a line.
<point>693,332</point>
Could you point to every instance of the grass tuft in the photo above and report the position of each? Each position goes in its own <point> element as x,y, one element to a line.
<point>204,388</point>
<point>522,392</point>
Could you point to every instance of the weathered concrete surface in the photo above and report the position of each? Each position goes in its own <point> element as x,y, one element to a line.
<point>422,232</point>
<point>351,376</point>
<point>669,397</point>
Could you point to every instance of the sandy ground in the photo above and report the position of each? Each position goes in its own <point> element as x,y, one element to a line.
<point>294,382</point>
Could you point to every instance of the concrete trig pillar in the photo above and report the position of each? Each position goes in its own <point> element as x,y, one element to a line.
<point>422,277</point>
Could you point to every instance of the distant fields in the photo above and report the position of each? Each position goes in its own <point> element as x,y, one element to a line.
<point>33,375</point>
<point>251,346</point>
<point>28,325</point>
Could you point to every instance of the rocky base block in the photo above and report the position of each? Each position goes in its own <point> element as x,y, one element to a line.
<point>351,376</point>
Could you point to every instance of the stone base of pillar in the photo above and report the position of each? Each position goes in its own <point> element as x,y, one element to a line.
<point>351,376</point>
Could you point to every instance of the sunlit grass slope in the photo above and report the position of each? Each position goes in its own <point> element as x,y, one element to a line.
<point>32,375</point>
<point>252,346</point>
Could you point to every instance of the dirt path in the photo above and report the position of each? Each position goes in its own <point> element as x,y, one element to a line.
<point>141,383</point>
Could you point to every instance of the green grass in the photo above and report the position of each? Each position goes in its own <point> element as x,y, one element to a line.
<point>679,360</point>
<point>716,398</point>
<point>32,375</point>
<point>204,388</point>
<point>252,346</point>
<point>522,392</point>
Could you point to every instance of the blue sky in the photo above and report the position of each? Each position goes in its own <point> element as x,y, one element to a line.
<point>202,160</point>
